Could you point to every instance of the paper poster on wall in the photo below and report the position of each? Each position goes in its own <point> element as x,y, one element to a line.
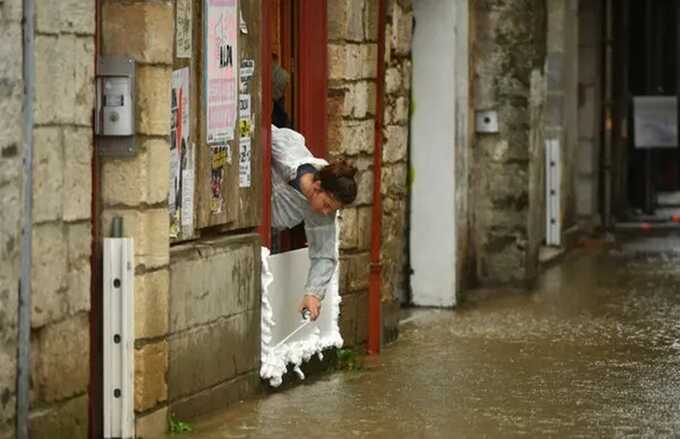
<point>183,29</point>
<point>244,106</point>
<point>221,101</point>
<point>180,149</point>
<point>187,215</point>
<point>244,158</point>
<point>220,157</point>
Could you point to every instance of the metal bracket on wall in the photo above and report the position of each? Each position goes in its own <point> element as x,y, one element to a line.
<point>553,179</point>
<point>115,107</point>
<point>119,338</point>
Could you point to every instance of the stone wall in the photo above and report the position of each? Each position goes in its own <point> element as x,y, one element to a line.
<point>136,189</point>
<point>352,58</point>
<point>352,49</point>
<point>508,45</point>
<point>62,233</point>
<point>589,112</point>
<point>11,149</point>
<point>394,188</point>
<point>214,332</point>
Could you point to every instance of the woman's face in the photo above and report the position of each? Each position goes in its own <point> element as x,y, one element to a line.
<point>322,202</point>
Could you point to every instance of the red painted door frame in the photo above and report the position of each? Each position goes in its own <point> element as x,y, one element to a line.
<point>312,64</point>
<point>266,120</point>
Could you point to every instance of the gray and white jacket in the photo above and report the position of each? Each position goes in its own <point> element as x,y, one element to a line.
<point>290,208</point>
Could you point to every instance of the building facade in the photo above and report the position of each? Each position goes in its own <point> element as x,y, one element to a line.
<point>446,109</point>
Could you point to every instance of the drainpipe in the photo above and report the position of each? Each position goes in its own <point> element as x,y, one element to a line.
<point>24,314</point>
<point>374,312</point>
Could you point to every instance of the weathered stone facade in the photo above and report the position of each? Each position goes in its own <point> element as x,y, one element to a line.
<point>352,57</point>
<point>353,49</point>
<point>509,39</point>
<point>394,187</point>
<point>11,150</point>
<point>137,189</point>
<point>62,234</point>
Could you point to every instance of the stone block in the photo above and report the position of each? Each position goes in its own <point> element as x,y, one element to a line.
<point>66,16</point>
<point>62,348</point>
<point>8,355</point>
<point>352,61</point>
<point>154,25</point>
<point>49,268</point>
<point>392,80</point>
<point>214,279</point>
<point>141,180</point>
<point>77,173</point>
<point>355,20</point>
<point>371,14</point>
<point>218,397</point>
<point>359,100</point>
<point>64,91</point>
<point>48,175</point>
<point>150,230</point>
<point>396,143</point>
<point>208,355</point>
<point>358,269</point>
<point>48,16</point>
<point>152,425</point>
<point>401,110</point>
<point>337,19</point>
<point>151,366</point>
<point>406,72</point>
<point>402,30</point>
<point>153,99</point>
<point>82,90</point>
<point>11,11</point>
<point>79,240</point>
<point>78,16</point>
<point>362,317</point>
<point>350,137</point>
<point>393,179</point>
<point>151,304</point>
<point>364,181</point>
<point>364,221</point>
<point>64,421</point>
<point>349,229</point>
<point>348,320</point>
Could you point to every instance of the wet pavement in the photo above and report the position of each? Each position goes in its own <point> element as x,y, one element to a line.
<point>592,351</point>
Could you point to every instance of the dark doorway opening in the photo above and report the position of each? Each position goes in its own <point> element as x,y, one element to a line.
<point>651,40</point>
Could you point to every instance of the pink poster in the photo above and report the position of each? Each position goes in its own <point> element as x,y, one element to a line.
<point>221,53</point>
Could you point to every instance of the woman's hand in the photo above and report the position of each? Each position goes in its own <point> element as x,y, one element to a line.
<point>313,304</point>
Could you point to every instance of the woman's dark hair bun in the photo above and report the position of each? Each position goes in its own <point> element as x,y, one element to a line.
<point>337,178</point>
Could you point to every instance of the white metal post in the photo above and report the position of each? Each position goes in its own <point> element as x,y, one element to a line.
<point>552,197</point>
<point>119,338</point>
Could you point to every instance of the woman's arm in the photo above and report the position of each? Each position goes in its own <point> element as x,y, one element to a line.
<point>322,256</point>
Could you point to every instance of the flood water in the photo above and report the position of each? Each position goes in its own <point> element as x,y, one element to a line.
<point>592,351</point>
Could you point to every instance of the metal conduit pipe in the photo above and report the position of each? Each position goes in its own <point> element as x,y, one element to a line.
<point>24,312</point>
<point>374,311</point>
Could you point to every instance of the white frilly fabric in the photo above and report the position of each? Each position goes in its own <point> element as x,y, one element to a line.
<point>277,360</point>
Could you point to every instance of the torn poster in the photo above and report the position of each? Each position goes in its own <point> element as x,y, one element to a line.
<point>242,23</point>
<point>244,106</point>
<point>220,157</point>
<point>221,34</point>
<point>183,29</point>
<point>180,149</point>
<point>244,158</point>
<point>247,69</point>
<point>187,214</point>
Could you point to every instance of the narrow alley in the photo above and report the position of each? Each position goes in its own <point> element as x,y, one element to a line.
<point>593,351</point>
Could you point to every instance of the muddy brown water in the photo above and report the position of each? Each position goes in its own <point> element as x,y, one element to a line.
<point>592,351</point>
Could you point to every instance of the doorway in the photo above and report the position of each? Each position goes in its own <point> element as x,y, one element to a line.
<point>438,69</point>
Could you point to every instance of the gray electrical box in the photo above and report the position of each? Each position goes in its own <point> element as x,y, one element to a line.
<point>115,111</point>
